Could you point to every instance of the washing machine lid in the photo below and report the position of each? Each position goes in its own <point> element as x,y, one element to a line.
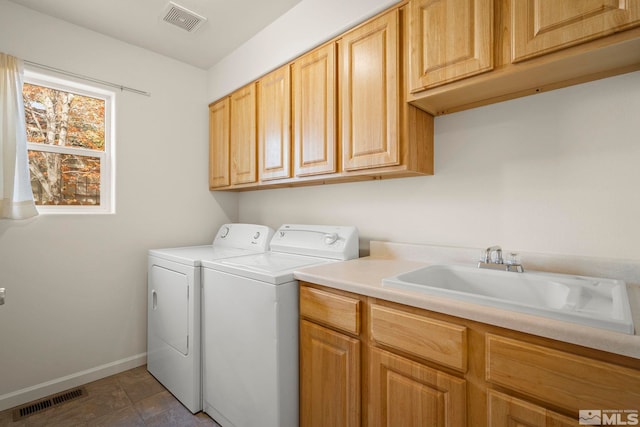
<point>270,267</point>
<point>231,240</point>
<point>193,255</point>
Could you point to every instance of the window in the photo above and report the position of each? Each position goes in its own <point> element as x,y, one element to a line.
<point>69,138</point>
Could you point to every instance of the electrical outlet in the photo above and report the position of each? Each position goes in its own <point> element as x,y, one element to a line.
<point>2,294</point>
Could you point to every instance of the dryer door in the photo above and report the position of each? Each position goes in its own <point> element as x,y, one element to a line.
<point>169,307</point>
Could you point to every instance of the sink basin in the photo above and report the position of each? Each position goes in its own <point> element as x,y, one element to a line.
<point>597,302</point>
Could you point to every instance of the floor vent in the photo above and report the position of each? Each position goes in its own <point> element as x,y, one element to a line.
<point>48,402</point>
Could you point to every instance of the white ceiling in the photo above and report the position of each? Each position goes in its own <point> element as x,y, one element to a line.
<point>139,22</point>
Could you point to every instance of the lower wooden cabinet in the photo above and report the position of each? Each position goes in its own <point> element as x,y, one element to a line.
<point>560,378</point>
<point>507,411</point>
<point>329,377</point>
<point>370,362</point>
<point>406,393</point>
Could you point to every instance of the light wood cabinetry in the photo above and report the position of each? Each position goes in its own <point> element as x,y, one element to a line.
<point>407,393</point>
<point>362,105</point>
<point>219,144</point>
<point>329,377</point>
<point>560,378</point>
<point>242,132</point>
<point>398,391</point>
<point>507,411</point>
<point>369,99</point>
<point>330,385</point>
<point>274,125</point>
<point>430,339</point>
<point>468,53</point>
<point>349,119</point>
<point>544,26</point>
<point>314,112</point>
<point>337,311</point>
<point>450,40</point>
<point>421,368</point>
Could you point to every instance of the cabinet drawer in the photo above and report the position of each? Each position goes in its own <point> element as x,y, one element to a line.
<point>506,411</point>
<point>564,379</point>
<point>331,309</point>
<point>440,342</point>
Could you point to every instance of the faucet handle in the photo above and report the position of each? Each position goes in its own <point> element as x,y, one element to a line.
<point>513,258</point>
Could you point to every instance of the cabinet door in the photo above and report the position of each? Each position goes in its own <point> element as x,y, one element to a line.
<point>274,117</point>
<point>449,40</point>
<point>219,144</point>
<point>369,87</point>
<point>406,393</point>
<point>314,112</point>
<point>544,26</point>
<point>242,130</point>
<point>329,378</point>
<point>507,411</point>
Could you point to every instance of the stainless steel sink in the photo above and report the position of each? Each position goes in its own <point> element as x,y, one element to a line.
<point>597,302</point>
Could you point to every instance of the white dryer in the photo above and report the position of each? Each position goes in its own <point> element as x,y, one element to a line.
<point>250,325</point>
<point>174,307</point>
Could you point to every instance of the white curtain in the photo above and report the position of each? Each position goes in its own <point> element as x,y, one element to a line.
<point>16,198</point>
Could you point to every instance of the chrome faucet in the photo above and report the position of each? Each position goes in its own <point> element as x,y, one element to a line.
<point>488,255</point>
<point>497,262</point>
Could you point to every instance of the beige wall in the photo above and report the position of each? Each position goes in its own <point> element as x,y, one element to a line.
<point>306,25</point>
<point>76,284</point>
<point>553,173</point>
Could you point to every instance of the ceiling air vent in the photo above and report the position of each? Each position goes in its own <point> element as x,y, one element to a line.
<point>183,17</point>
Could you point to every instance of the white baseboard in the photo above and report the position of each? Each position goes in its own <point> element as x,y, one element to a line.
<point>38,391</point>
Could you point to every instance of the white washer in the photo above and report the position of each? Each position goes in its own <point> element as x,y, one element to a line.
<point>250,325</point>
<point>174,307</point>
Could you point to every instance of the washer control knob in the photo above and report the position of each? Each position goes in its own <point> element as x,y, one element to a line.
<point>257,235</point>
<point>330,238</point>
<point>225,232</point>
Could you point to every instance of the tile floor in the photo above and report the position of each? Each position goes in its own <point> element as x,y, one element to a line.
<point>129,399</point>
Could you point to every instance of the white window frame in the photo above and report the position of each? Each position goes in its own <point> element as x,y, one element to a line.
<point>107,157</point>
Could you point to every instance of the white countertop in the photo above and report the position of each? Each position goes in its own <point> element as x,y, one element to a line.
<point>364,276</point>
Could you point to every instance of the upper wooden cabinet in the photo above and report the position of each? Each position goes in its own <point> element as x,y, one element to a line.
<point>450,40</point>
<point>369,100</point>
<point>544,26</point>
<point>274,125</point>
<point>468,53</point>
<point>219,144</point>
<point>314,112</point>
<point>349,119</point>
<point>242,131</point>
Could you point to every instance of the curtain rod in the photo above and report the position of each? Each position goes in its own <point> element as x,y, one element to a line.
<point>91,79</point>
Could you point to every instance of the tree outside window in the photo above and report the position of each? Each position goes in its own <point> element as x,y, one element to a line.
<point>68,135</point>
